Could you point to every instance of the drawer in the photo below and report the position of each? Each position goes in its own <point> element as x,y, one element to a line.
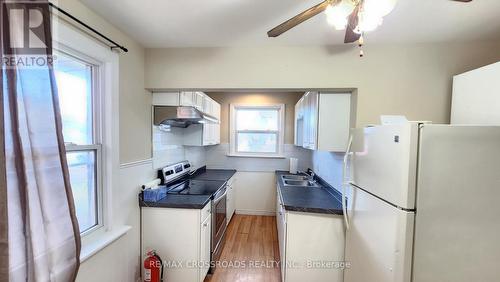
<point>206,211</point>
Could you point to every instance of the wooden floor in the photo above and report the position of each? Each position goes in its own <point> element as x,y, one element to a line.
<point>251,251</point>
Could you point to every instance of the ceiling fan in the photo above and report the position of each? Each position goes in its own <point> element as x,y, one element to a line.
<point>355,16</point>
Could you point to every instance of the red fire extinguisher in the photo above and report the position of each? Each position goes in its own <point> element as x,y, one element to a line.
<point>153,267</point>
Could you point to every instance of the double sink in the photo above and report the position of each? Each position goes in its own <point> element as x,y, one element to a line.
<point>298,181</point>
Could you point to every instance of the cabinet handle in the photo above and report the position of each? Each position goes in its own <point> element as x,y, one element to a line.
<point>205,224</point>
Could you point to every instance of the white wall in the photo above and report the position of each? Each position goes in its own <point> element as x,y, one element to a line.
<point>120,261</point>
<point>476,96</point>
<point>255,193</point>
<point>413,80</point>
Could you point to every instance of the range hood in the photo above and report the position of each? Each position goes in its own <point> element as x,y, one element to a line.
<point>180,116</point>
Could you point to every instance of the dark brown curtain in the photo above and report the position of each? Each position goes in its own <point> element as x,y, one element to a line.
<point>39,234</point>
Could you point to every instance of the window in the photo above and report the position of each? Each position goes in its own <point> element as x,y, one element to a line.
<point>78,100</point>
<point>257,130</point>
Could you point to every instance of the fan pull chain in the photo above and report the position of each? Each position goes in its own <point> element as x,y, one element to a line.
<point>361,42</point>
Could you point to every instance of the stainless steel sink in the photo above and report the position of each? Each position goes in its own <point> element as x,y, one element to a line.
<point>300,183</point>
<point>295,177</point>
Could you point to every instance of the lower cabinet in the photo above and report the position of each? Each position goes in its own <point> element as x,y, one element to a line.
<point>181,237</point>
<point>281,226</point>
<point>231,199</point>
<point>311,245</point>
<point>205,237</point>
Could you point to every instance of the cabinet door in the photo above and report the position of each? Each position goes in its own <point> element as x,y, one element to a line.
<point>229,197</point>
<point>295,125</point>
<point>166,99</point>
<point>281,225</point>
<point>216,133</point>
<point>207,134</point>
<point>307,120</point>
<point>198,100</point>
<point>205,247</point>
<point>216,110</point>
<point>278,205</point>
<point>207,105</point>
<point>230,203</point>
<point>313,120</point>
<point>299,123</point>
<point>334,121</point>
<point>186,99</point>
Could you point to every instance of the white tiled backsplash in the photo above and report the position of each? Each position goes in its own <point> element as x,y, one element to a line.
<point>328,166</point>
<point>166,150</point>
<point>217,158</point>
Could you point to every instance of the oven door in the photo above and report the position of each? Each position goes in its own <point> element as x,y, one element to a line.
<point>219,219</point>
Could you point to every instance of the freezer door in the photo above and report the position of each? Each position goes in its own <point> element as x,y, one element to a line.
<point>387,164</point>
<point>457,227</point>
<point>379,241</point>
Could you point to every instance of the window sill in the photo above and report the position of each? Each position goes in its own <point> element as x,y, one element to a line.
<point>100,239</point>
<point>257,156</point>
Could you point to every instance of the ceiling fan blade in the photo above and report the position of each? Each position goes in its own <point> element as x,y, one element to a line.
<point>464,1</point>
<point>300,18</point>
<point>352,23</point>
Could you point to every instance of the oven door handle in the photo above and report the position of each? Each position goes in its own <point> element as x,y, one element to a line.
<point>221,196</point>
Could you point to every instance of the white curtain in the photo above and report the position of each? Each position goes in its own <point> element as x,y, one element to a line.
<point>43,242</point>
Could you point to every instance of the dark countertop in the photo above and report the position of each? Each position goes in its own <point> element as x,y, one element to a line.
<point>324,199</point>
<point>214,174</point>
<point>191,201</point>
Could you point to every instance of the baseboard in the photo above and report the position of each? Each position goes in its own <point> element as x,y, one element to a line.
<point>256,212</point>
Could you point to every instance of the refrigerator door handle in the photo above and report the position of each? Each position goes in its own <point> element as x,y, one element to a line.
<point>346,182</point>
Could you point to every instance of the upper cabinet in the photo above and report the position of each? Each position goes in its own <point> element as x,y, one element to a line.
<point>197,134</point>
<point>323,121</point>
<point>196,99</point>
<point>190,99</point>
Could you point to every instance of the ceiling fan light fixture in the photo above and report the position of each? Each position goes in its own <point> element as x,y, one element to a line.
<point>337,15</point>
<point>369,22</point>
<point>372,14</point>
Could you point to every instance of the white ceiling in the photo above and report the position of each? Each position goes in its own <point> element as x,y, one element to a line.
<point>202,23</point>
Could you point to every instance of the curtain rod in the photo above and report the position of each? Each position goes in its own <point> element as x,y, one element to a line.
<point>115,45</point>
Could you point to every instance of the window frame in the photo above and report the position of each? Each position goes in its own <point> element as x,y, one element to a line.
<point>97,129</point>
<point>233,132</point>
<point>115,224</point>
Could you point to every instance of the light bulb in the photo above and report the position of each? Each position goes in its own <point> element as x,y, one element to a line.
<point>337,15</point>
<point>369,22</point>
<point>373,13</point>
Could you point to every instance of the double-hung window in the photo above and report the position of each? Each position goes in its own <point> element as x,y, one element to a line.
<point>257,130</point>
<point>79,100</point>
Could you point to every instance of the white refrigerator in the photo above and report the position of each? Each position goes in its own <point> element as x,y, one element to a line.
<point>424,204</point>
